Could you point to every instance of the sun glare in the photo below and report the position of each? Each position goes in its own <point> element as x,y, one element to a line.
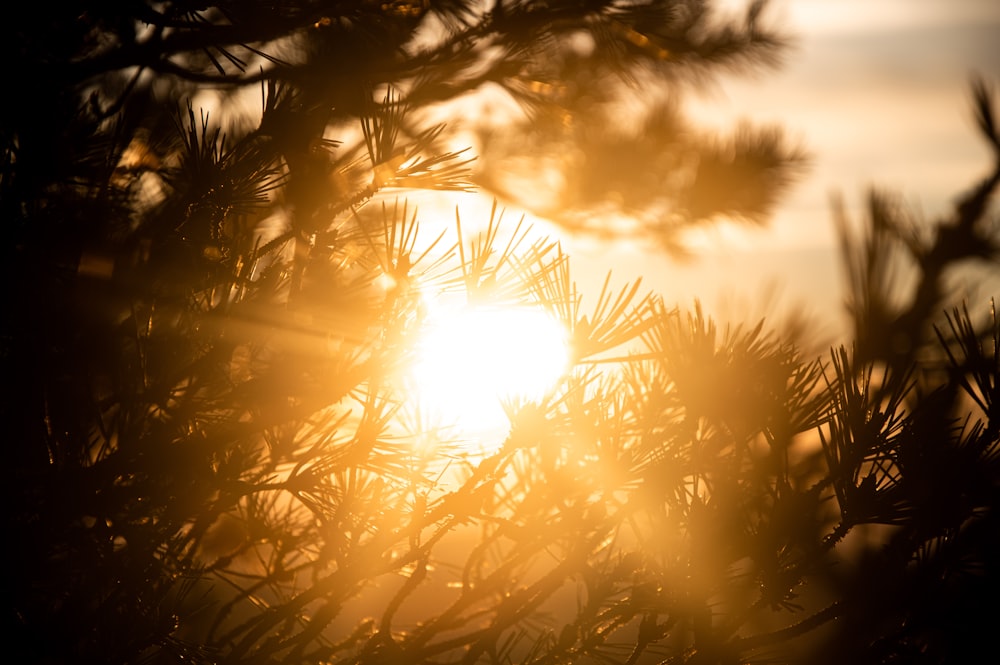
<point>470,358</point>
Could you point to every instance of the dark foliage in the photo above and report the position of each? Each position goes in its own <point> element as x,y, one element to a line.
<point>213,453</point>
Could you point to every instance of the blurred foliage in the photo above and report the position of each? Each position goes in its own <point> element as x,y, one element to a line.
<point>204,324</point>
<point>603,171</point>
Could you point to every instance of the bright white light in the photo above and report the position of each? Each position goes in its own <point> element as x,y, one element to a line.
<point>470,358</point>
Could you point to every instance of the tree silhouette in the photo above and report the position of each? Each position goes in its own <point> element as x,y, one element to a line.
<point>211,456</point>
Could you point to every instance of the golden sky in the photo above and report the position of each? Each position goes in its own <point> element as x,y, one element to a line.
<point>877,91</point>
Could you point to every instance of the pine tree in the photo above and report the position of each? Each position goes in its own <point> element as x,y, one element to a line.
<point>206,323</point>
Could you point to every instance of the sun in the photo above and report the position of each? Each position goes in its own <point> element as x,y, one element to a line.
<point>469,358</point>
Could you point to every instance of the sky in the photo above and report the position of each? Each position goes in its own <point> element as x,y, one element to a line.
<point>877,92</point>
